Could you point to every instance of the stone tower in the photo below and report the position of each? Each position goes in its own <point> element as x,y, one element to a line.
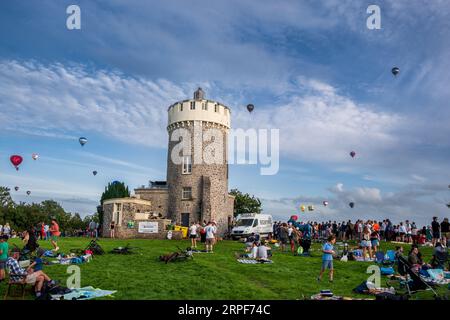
<point>197,185</point>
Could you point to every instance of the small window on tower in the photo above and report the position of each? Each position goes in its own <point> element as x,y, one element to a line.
<point>181,107</point>
<point>216,108</point>
<point>187,165</point>
<point>204,106</point>
<point>187,193</point>
<point>192,105</point>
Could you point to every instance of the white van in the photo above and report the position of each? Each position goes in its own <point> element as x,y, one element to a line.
<point>248,223</point>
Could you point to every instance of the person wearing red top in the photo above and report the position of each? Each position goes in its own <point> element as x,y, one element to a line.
<point>54,229</point>
<point>42,231</point>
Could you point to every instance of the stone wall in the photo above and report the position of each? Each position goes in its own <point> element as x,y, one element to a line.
<point>158,197</point>
<point>129,210</point>
<point>209,183</point>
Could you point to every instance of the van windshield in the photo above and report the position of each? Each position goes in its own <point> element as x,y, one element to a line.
<point>244,222</point>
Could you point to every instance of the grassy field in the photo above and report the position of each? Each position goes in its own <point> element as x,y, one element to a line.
<point>208,276</point>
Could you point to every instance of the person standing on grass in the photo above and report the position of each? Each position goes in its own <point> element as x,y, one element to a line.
<point>3,255</point>
<point>284,236</point>
<point>47,231</point>
<point>445,231</point>
<point>7,230</point>
<point>327,257</point>
<point>111,229</point>
<point>54,229</point>
<point>210,237</point>
<point>435,228</point>
<point>193,234</point>
<point>42,231</point>
<point>366,244</point>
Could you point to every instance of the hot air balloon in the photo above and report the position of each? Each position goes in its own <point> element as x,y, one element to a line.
<point>448,205</point>
<point>351,204</point>
<point>310,208</point>
<point>16,161</point>
<point>325,203</point>
<point>82,141</point>
<point>395,71</point>
<point>250,107</point>
<point>94,173</point>
<point>353,154</point>
<point>34,156</point>
<point>294,217</point>
<point>16,188</point>
<point>28,192</point>
<point>302,208</point>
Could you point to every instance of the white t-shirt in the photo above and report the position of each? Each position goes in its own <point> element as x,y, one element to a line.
<point>46,227</point>
<point>210,230</point>
<point>262,252</point>
<point>6,230</point>
<point>408,228</point>
<point>360,228</point>
<point>402,229</point>
<point>254,253</point>
<point>193,230</point>
<point>290,229</point>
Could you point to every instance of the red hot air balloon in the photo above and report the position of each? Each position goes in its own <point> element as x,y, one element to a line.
<point>294,217</point>
<point>353,154</point>
<point>16,161</point>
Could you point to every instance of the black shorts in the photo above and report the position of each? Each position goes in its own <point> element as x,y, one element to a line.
<point>284,240</point>
<point>193,236</point>
<point>436,235</point>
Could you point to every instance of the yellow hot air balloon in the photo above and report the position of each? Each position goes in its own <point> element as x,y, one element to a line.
<point>302,207</point>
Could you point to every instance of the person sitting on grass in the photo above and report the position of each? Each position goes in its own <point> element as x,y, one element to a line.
<point>327,257</point>
<point>251,252</point>
<point>415,259</point>
<point>18,274</point>
<point>264,252</point>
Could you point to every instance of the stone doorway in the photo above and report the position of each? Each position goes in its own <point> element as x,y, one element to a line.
<point>185,219</point>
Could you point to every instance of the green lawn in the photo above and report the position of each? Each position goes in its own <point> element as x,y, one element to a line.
<point>208,276</point>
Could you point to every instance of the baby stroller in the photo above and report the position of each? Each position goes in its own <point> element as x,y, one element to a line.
<point>413,282</point>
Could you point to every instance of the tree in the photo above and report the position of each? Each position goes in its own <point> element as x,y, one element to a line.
<point>115,190</point>
<point>244,203</point>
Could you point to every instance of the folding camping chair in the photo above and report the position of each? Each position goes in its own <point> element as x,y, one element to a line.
<point>413,282</point>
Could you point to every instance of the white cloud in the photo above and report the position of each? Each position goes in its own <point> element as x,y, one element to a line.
<point>319,124</point>
<point>40,99</point>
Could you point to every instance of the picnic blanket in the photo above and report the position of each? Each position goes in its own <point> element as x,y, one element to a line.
<point>252,261</point>
<point>72,260</point>
<point>85,293</point>
<point>201,251</point>
<point>436,276</point>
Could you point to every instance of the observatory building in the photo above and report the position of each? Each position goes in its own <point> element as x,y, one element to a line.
<point>196,189</point>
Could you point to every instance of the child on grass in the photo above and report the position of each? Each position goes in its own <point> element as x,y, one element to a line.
<point>327,257</point>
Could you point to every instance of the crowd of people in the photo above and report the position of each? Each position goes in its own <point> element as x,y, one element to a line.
<point>33,273</point>
<point>372,230</point>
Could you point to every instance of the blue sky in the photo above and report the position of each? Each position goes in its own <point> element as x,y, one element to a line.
<point>311,68</point>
